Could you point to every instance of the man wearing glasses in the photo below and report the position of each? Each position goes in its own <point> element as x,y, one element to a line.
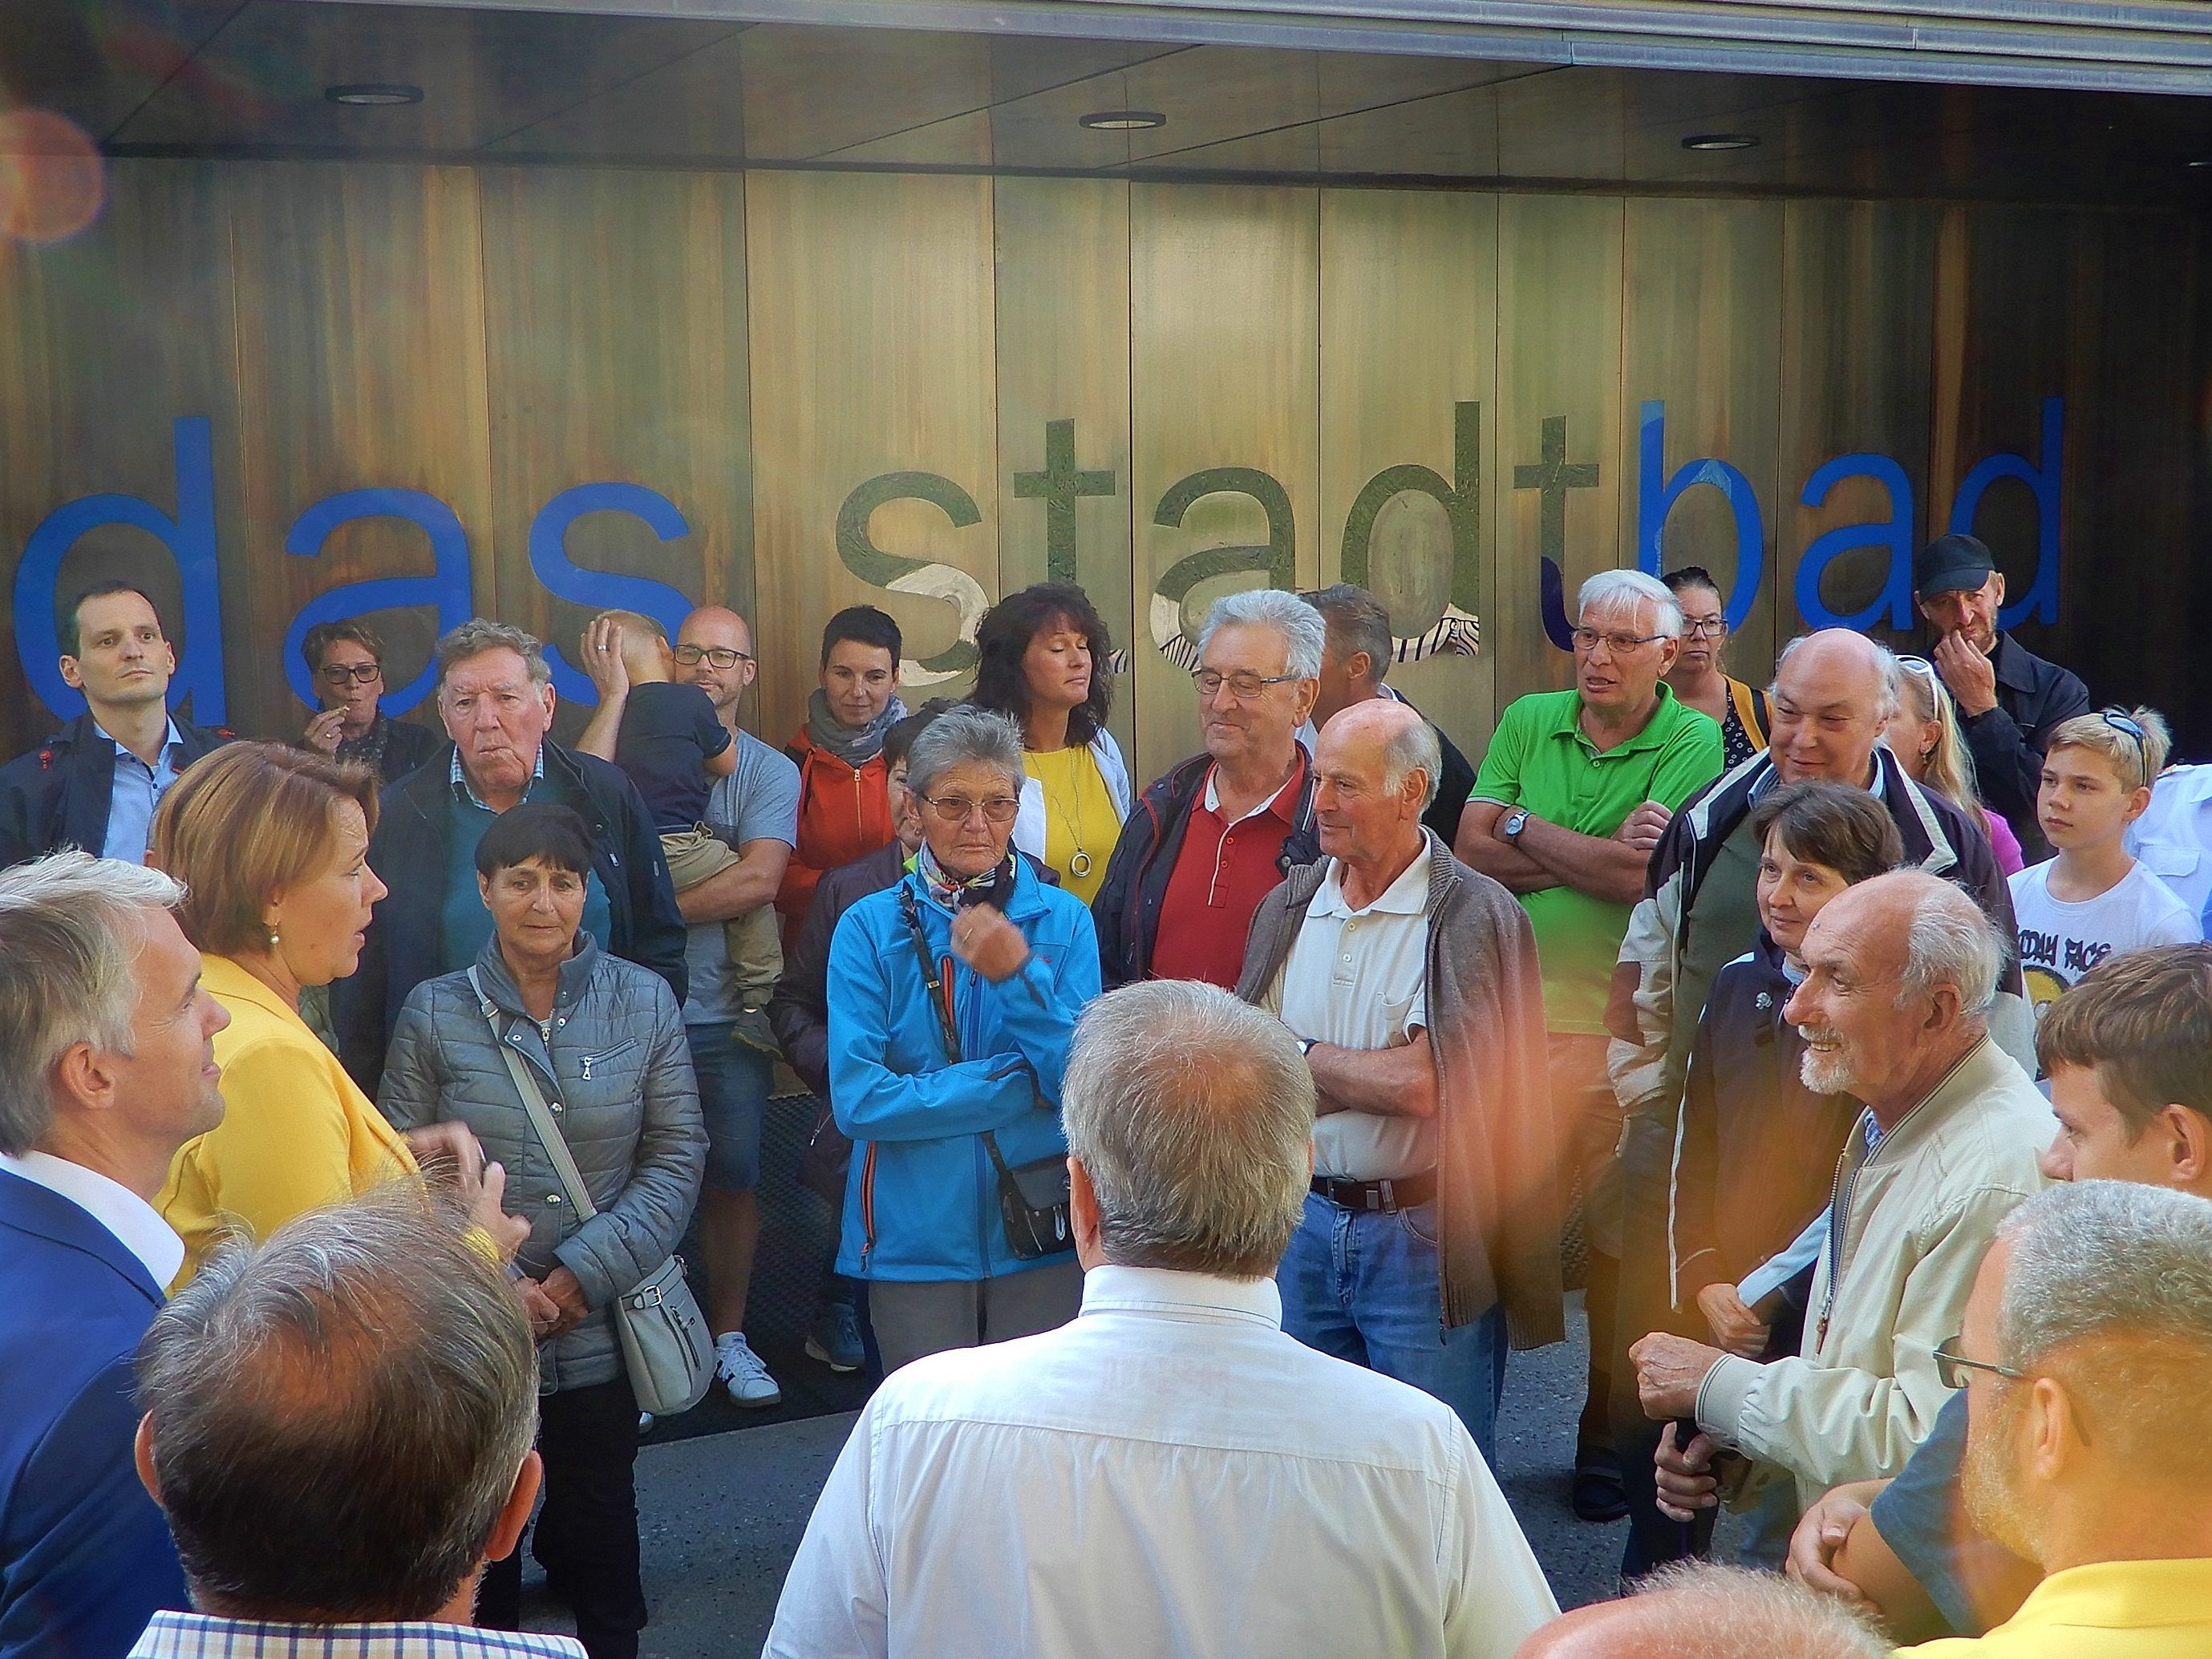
<point>346,660</point>
<point>1571,800</point>
<point>2009,700</point>
<point>1208,840</point>
<point>735,954</point>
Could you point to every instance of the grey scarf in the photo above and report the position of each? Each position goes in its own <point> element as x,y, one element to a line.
<point>855,745</point>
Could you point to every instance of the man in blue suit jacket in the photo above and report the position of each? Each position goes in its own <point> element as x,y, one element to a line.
<point>96,965</point>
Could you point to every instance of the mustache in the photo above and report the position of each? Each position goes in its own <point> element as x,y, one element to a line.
<point>1820,1034</point>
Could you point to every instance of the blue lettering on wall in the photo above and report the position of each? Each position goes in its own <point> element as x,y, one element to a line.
<point>1654,502</point>
<point>2041,602</point>
<point>190,536</point>
<point>447,586</point>
<point>598,590</point>
<point>1894,533</point>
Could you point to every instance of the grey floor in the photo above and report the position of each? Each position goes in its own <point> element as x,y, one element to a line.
<point>721,1515</point>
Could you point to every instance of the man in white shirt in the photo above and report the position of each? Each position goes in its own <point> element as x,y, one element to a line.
<point>1169,1473</point>
<point>106,1068</point>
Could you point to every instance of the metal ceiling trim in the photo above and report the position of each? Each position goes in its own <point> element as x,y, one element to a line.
<point>2057,44</point>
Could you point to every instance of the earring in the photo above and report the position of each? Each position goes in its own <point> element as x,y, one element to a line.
<point>274,938</point>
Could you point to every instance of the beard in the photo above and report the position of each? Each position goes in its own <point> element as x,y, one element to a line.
<point>1985,1484</point>
<point>1826,1072</point>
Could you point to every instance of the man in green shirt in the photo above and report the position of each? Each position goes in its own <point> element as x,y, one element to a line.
<point>1575,793</point>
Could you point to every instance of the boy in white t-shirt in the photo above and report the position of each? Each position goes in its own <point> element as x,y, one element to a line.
<point>2094,900</point>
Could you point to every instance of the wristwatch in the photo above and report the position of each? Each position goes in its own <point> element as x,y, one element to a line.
<point>1516,822</point>
<point>1307,1045</point>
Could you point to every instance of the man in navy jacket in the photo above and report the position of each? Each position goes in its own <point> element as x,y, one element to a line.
<point>97,966</point>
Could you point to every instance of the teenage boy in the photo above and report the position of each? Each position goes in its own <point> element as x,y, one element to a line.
<point>2093,900</point>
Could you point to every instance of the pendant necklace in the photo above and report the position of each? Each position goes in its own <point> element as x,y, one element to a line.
<point>1079,862</point>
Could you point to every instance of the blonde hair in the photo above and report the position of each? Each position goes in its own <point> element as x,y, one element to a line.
<point>1949,769</point>
<point>2139,759</point>
<point>643,639</point>
<point>243,825</point>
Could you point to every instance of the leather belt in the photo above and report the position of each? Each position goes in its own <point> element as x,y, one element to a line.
<point>1387,1197</point>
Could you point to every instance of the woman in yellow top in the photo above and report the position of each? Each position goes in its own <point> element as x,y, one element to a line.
<point>271,845</point>
<point>1043,652</point>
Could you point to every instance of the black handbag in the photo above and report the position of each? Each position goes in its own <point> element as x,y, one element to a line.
<point>1033,1197</point>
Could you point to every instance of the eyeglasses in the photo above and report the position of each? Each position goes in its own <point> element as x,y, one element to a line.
<point>1949,1362</point>
<point>1588,638</point>
<point>957,809</point>
<point>363,673</point>
<point>1243,686</point>
<point>1703,628</point>
<point>692,655</point>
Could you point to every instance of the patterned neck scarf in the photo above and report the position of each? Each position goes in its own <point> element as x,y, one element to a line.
<point>951,892</point>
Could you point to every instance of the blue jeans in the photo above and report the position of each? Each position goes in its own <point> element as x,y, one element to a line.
<point>1364,1286</point>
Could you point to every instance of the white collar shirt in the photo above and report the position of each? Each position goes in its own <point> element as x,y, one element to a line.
<point>195,1635</point>
<point>137,1225</point>
<point>1168,1475</point>
<point>1358,979</point>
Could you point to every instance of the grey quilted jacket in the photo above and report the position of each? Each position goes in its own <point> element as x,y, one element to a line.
<point>612,1061</point>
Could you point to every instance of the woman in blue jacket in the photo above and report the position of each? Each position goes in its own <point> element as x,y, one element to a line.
<point>953,996</point>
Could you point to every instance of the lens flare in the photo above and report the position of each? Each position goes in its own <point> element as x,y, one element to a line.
<point>51,181</point>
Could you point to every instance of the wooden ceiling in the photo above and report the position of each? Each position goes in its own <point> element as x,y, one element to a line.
<point>222,77</point>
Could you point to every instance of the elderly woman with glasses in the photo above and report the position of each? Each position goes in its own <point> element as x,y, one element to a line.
<point>953,996</point>
<point>1697,676</point>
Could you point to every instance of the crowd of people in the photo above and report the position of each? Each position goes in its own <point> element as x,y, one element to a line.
<point>1199,1152</point>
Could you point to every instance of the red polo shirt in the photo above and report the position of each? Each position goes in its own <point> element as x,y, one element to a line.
<point>1221,873</point>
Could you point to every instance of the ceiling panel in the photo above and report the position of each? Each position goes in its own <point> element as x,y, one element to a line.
<point>690,109</point>
<point>96,63</point>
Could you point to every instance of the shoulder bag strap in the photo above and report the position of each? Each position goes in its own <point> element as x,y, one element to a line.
<point>533,1103</point>
<point>933,977</point>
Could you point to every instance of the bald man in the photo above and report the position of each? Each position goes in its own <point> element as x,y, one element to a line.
<point>1831,697</point>
<point>755,810</point>
<point>1900,973</point>
<point>1431,1230</point>
<point>1699,1610</point>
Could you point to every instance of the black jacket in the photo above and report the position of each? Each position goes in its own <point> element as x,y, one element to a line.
<point>798,1012</point>
<point>58,795</point>
<point>1452,787</point>
<point>406,747</point>
<point>1126,911</point>
<point>408,850</point>
<point>2008,741</point>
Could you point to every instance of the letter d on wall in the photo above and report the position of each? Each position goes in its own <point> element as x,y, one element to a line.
<point>190,538</point>
<point>2041,602</point>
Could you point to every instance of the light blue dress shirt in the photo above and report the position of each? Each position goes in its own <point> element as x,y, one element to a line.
<point>138,790</point>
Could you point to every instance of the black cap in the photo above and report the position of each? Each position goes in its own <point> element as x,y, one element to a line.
<point>1950,564</point>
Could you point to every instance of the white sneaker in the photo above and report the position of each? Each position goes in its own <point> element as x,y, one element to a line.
<point>743,1373</point>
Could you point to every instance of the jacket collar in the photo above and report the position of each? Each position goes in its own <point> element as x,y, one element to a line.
<point>224,977</point>
<point>2014,663</point>
<point>499,984</point>
<point>37,1209</point>
<point>1975,1073</point>
<point>1108,1288</point>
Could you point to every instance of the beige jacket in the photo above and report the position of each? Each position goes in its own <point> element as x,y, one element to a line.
<point>1907,1231</point>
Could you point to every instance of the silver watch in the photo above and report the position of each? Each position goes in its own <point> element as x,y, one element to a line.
<point>1516,822</point>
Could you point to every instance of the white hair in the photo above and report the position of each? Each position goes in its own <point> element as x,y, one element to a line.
<point>1414,745</point>
<point>963,737</point>
<point>1612,591</point>
<point>1304,631</point>
<point>1720,1612</point>
<point>1950,942</point>
<point>70,937</point>
<point>1192,1112</point>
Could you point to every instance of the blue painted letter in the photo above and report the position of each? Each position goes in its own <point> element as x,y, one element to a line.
<point>2041,602</point>
<point>1896,534</point>
<point>447,586</point>
<point>598,590</point>
<point>1654,502</point>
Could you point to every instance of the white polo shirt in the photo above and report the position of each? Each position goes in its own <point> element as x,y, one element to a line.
<point>1358,979</point>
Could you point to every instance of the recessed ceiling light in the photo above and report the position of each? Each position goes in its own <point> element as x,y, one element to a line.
<point>2202,161</point>
<point>1721,141</point>
<point>1122,120</point>
<point>373,92</point>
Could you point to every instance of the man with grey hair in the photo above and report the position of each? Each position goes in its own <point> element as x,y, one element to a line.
<point>1170,1474</point>
<point>1352,670</point>
<point>2089,1330</point>
<point>1214,833</point>
<point>1901,972</point>
<point>1696,1610</point>
<point>338,1427</point>
<point>106,1068</point>
<point>1572,796</point>
<point>496,695</point>
<point>1832,694</point>
<point>1431,1228</point>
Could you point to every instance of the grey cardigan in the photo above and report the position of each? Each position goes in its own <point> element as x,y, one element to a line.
<point>617,1069</point>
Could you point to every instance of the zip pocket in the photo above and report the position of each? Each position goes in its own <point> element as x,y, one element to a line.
<point>867,1205</point>
<point>603,1058</point>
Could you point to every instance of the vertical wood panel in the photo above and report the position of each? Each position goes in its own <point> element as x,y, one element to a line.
<point>628,365</point>
<point>1409,331</point>
<point>1063,355</point>
<point>1702,332</point>
<point>361,365</point>
<point>870,302</point>
<point>1558,359</point>
<point>105,340</point>
<point>1226,363</point>
<point>1857,286</point>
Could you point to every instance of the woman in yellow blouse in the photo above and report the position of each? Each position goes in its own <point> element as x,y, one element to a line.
<point>271,845</point>
<point>1043,656</point>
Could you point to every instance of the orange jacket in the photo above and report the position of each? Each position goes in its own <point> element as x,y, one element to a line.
<point>844,813</point>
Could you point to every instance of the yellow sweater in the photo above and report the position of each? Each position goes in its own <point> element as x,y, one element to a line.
<point>296,1132</point>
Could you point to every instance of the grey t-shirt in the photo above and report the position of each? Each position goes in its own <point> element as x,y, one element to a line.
<point>759,801</point>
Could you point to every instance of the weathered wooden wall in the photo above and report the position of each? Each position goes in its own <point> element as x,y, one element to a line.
<point>1032,371</point>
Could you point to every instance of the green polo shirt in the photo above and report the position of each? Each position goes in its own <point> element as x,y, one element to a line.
<point>1539,759</point>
